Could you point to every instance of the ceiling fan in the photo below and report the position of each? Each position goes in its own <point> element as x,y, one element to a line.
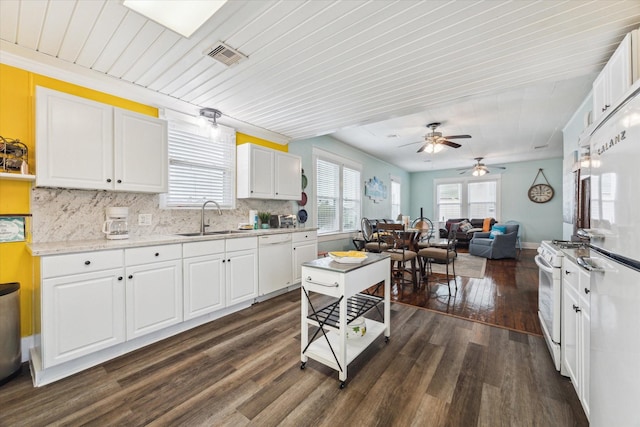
<point>435,142</point>
<point>479,169</point>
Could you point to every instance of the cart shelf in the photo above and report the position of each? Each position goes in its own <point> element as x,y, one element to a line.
<point>357,306</point>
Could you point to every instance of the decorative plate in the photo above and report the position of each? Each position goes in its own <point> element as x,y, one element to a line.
<point>303,199</point>
<point>302,216</point>
<point>304,181</point>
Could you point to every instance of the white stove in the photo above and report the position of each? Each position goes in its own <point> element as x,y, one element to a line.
<point>549,261</point>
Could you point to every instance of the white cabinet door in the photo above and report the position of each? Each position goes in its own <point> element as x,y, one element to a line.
<point>585,339</point>
<point>570,335</point>
<point>81,314</point>
<point>614,79</point>
<point>154,297</point>
<point>75,141</point>
<point>204,288</point>
<point>141,157</point>
<point>241,276</point>
<point>288,176</point>
<point>303,252</point>
<point>619,70</point>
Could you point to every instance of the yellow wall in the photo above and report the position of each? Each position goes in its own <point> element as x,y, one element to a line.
<point>242,138</point>
<point>17,114</point>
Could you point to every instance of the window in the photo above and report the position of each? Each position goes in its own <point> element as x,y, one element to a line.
<point>395,197</point>
<point>467,198</point>
<point>201,166</point>
<point>338,193</point>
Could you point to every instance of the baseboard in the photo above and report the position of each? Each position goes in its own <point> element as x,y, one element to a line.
<point>25,344</point>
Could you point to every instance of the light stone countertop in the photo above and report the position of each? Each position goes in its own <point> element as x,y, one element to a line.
<point>77,246</point>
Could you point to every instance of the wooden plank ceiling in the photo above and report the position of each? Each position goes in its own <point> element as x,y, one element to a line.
<point>510,73</point>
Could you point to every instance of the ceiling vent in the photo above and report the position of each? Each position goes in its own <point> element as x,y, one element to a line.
<point>223,53</point>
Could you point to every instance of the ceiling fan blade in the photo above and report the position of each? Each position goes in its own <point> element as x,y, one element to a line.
<point>450,144</point>
<point>421,149</point>
<point>456,136</point>
<point>497,167</point>
<point>411,143</point>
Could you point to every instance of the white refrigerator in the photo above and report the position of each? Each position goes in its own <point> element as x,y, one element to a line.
<point>615,252</point>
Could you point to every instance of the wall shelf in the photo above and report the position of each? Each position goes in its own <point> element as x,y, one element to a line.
<point>17,176</point>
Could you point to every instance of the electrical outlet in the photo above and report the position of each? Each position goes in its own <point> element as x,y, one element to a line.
<point>144,219</point>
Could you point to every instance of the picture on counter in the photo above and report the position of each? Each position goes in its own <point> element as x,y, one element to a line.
<point>12,229</point>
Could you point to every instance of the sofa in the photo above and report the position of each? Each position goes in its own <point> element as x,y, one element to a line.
<point>465,236</point>
<point>501,245</point>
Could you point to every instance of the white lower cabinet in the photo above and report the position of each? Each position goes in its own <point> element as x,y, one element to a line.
<point>203,267</point>
<point>241,270</point>
<point>83,305</point>
<point>576,328</point>
<point>153,289</point>
<point>304,249</point>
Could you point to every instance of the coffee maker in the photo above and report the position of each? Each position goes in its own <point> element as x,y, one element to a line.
<point>115,226</point>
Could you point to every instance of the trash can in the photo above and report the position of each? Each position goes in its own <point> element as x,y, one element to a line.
<point>10,353</point>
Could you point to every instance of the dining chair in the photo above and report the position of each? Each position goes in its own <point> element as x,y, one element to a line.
<point>401,245</point>
<point>371,241</point>
<point>446,255</point>
<point>425,226</point>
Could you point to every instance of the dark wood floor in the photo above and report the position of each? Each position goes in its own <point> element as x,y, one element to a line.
<point>507,296</point>
<point>437,370</point>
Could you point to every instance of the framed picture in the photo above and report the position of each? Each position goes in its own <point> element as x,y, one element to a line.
<point>12,229</point>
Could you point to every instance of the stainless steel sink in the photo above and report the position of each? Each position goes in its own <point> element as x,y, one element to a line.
<point>210,233</point>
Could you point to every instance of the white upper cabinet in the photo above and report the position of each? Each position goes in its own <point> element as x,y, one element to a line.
<point>614,79</point>
<point>86,144</point>
<point>140,147</point>
<point>263,173</point>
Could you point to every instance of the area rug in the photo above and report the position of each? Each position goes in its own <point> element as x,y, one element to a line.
<point>466,265</point>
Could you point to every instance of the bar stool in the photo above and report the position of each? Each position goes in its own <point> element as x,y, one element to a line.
<point>447,255</point>
<point>400,244</point>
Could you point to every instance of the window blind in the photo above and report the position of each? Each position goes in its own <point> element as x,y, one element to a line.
<point>328,191</point>
<point>350,199</point>
<point>201,166</point>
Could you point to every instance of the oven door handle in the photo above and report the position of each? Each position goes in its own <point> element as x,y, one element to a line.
<point>543,265</point>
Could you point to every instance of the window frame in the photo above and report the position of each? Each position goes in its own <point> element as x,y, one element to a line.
<point>397,181</point>
<point>341,162</point>
<point>464,196</point>
<point>188,124</point>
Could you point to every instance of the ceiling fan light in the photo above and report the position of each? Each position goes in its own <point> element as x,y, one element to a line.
<point>433,148</point>
<point>479,172</point>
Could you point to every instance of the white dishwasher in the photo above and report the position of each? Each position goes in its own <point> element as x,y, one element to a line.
<point>275,262</point>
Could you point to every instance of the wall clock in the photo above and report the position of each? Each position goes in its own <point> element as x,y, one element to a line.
<point>540,193</point>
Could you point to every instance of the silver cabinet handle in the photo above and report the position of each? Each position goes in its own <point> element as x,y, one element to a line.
<point>328,285</point>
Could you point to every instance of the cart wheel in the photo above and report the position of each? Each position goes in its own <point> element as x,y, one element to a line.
<point>343,384</point>
<point>303,365</point>
<point>386,339</point>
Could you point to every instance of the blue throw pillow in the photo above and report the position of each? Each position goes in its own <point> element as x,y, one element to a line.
<point>497,229</point>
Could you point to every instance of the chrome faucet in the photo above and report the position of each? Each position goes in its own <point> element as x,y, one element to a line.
<point>202,226</point>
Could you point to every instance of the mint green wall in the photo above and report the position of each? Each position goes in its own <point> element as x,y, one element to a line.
<point>538,221</point>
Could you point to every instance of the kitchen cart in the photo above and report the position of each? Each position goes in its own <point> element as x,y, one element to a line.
<point>344,283</point>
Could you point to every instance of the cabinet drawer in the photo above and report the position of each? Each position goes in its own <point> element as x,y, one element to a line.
<point>209,247</point>
<point>63,265</point>
<point>304,236</point>
<point>241,244</point>
<point>135,256</point>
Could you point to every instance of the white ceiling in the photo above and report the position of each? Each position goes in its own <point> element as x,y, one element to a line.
<point>509,73</point>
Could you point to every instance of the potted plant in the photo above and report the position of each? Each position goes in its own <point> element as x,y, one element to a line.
<point>264,219</point>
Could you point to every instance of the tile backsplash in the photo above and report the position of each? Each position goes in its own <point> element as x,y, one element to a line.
<point>63,214</point>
